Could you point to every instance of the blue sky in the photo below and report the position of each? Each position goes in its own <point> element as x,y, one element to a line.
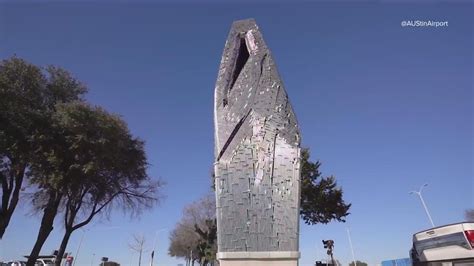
<point>385,108</point>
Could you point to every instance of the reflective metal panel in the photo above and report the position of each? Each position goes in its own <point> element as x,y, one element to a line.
<point>257,149</point>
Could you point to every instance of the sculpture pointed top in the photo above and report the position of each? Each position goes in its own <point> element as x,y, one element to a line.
<point>248,85</point>
<point>246,29</point>
<point>244,24</point>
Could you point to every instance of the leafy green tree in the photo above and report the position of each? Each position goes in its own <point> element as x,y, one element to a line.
<point>359,263</point>
<point>321,199</point>
<point>80,160</point>
<point>28,95</point>
<point>95,165</point>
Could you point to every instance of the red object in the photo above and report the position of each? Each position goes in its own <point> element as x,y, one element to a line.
<point>470,237</point>
<point>69,259</point>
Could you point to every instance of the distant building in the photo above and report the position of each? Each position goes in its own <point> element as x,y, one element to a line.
<point>397,262</point>
<point>109,263</point>
<point>323,263</point>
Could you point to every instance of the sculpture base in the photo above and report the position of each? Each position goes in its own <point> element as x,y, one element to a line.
<point>270,258</point>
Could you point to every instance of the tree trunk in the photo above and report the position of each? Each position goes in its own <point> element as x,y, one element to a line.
<point>9,204</point>
<point>140,258</point>
<point>63,246</point>
<point>3,224</point>
<point>6,216</point>
<point>46,226</point>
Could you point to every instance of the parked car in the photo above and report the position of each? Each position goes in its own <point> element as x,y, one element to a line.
<point>448,245</point>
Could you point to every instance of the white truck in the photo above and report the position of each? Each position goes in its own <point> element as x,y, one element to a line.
<point>44,262</point>
<point>448,245</point>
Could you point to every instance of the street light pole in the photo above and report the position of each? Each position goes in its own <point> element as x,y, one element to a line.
<point>154,246</point>
<point>352,248</point>
<point>423,202</point>
<point>78,248</point>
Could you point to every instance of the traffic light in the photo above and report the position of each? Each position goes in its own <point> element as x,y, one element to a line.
<point>328,244</point>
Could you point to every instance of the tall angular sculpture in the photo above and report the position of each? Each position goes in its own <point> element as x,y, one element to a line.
<point>257,156</point>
